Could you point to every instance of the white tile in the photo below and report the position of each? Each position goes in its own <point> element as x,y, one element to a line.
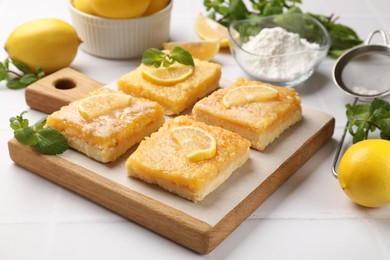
<point>24,196</point>
<point>301,239</point>
<point>382,227</point>
<point>22,241</point>
<point>345,8</point>
<point>73,207</point>
<point>119,240</point>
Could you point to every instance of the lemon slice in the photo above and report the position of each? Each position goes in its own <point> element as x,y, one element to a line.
<point>248,94</point>
<point>101,104</point>
<point>197,144</point>
<point>203,50</point>
<point>208,29</point>
<point>167,76</point>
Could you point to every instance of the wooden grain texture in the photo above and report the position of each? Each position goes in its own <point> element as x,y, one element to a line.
<point>52,92</point>
<point>154,215</point>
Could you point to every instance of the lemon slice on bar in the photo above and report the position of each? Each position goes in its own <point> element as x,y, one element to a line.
<point>101,104</point>
<point>203,50</point>
<point>249,94</point>
<point>208,29</point>
<point>167,75</point>
<point>196,143</point>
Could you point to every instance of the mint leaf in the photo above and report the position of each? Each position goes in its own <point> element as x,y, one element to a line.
<point>15,84</point>
<point>182,56</point>
<point>26,135</point>
<point>17,122</point>
<point>19,80</point>
<point>365,118</point>
<point>27,79</point>
<point>153,57</point>
<point>40,124</point>
<point>51,141</point>
<point>22,67</point>
<point>46,140</point>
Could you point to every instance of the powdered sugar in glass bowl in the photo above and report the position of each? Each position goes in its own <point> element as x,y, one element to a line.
<point>281,49</point>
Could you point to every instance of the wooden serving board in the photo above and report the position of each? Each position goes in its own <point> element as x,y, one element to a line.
<point>197,226</point>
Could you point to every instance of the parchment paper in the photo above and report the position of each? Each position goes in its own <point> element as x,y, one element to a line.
<point>242,182</point>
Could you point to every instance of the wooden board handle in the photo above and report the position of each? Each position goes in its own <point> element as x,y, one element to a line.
<point>58,89</point>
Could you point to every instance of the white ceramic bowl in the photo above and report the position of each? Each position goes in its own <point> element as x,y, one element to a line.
<point>121,38</point>
<point>289,68</point>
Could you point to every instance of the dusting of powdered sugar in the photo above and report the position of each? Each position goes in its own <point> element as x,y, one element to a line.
<point>277,41</point>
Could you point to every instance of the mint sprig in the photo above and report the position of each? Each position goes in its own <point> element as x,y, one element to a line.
<point>22,77</point>
<point>46,140</point>
<point>157,58</point>
<point>365,118</point>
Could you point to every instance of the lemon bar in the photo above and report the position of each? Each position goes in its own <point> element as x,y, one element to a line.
<point>257,111</point>
<point>188,158</point>
<point>177,96</point>
<point>106,123</point>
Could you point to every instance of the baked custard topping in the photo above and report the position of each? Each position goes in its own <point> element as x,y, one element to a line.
<point>196,143</point>
<point>248,94</point>
<point>101,104</point>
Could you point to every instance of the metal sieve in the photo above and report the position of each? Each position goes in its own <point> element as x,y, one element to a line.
<point>364,73</point>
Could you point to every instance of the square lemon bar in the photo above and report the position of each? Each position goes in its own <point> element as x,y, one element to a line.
<point>257,111</point>
<point>188,158</point>
<point>173,96</point>
<point>106,123</point>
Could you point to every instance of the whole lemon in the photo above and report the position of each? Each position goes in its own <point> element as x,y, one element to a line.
<point>48,43</point>
<point>83,6</point>
<point>119,9</point>
<point>364,172</point>
<point>155,6</point>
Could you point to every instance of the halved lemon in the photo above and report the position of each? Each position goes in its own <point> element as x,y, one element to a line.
<point>101,104</point>
<point>248,94</point>
<point>167,76</point>
<point>203,50</point>
<point>197,144</point>
<point>208,29</point>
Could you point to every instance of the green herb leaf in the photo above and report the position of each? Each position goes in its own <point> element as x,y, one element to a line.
<point>46,140</point>
<point>155,57</point>
<point>19,79</point>
<point>25,135</point>
<point>50,142</point>
<point>182,56</point>
<point>366,118</point>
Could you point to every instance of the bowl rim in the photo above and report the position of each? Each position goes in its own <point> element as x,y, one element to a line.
<point>95,17</point>
<point>232,38</point>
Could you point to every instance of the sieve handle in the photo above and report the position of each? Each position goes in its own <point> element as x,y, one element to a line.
<point>384,37</point>
<point>340,145</point>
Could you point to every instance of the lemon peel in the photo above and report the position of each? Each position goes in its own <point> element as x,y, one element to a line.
<point>101,104</point>
<point>197,144</point>
<point>203,50</point>
<point>208,29</point>
<point>247,94</point>
<point>364,172</point>
<point>167,75</point>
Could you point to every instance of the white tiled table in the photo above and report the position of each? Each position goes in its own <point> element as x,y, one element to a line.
<point>309,217</point>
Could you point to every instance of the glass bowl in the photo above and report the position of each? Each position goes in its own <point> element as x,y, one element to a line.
<point>282,49</point>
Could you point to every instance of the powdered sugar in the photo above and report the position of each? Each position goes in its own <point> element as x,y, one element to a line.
<point>277,42</point>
